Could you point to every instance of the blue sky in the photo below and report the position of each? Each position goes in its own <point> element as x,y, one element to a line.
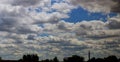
<point>79,14</point>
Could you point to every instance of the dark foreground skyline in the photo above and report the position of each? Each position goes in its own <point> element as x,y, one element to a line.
<point>73,58</point>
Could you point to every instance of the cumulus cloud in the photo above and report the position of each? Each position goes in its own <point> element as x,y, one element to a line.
<point>15,20</point>
<point>26,3</point>
<point>114,22</point>
<point>62,7</point>
<point>20,19</point>
<point>62,25</point>
<point>116,7</point>
<point>98,6</point>
<point>44,17</point>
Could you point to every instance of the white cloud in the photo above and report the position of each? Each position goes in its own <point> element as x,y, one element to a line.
<point>62,7</point>
<point>44,17</point>
<point>114,22</point>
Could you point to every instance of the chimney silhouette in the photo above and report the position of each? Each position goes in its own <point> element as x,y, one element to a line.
<point>88,55</point>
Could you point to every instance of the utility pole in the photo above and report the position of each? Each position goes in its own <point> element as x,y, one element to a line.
<point>89,55</point>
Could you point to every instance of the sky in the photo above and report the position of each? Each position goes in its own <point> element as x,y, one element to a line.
<point>59,28</point>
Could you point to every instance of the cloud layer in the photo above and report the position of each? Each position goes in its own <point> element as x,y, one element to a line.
<point>98,6</point>
<point>35,26</point>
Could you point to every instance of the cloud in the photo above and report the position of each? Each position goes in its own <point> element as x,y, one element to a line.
<point>62,25</point>
<point>26,3</point>
<point>114,22</point>
<point>62,7</point>
<point>116,7</point>
<point>19,20</point>
<point>98,6</point>
<point>83,28</point>
<point>99,34</point>
<point>13,20</point>
<point>44,17</point>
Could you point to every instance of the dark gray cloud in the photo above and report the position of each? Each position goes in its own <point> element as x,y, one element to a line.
<point>25,2</point>
<point>31,37</point>
<point>103,34</point>
<point>98,5</point>
<point>116,8</point>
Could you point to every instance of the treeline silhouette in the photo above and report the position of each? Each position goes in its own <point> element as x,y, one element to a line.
<point>74,58</point>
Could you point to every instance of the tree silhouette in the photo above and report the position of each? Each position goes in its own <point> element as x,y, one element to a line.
<point>111,59</point>
<point>99,60</point>
<point>31,58</point>
<point>119,60</point>
<point>74,58</point>
<point>0,58</point>
<point>55,59</point>
<point>92,60</point>
<point>47,60</point>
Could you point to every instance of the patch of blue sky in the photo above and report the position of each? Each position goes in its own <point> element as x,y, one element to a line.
<point>57,1</point>
<point>38,9</point>
<point>53,1</point>
<point>79,14</point>
<point>44,34</point>
<point>41,25</point>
